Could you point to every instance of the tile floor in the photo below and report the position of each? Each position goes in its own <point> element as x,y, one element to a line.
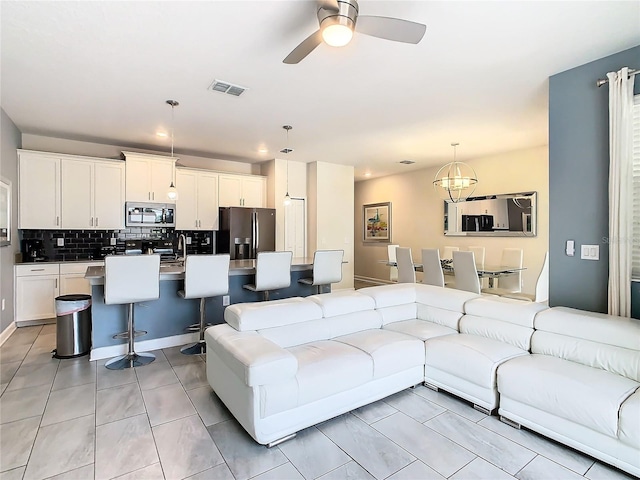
<point>76,420</point>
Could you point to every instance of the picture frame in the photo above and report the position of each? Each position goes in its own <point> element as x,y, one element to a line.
<point>5,212</point>
<point>376,222</point>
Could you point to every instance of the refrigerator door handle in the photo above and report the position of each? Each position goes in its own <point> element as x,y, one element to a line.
<point>257,233</point>
<point>253,235</point>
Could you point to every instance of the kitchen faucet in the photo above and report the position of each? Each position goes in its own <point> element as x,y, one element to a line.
<point>182,245</point>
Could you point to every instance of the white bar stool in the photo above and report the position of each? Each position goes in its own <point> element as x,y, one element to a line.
<point>205,276</point>
<point>327,269</point>
<point>273,271</point>
<point>129,280</point>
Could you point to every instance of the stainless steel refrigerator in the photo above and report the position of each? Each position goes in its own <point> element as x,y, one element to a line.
<point>243,232</point>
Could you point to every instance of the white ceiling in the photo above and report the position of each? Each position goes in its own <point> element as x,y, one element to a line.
<point>101,71</point>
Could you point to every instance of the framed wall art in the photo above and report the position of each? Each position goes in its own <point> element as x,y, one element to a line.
<point>5,213</point>
<point>377,222</point>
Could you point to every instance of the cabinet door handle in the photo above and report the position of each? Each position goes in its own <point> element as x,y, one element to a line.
<point>96,221</point>
<point>36,270</point>
<point>153,195</point>
<point>57,220</point>
<point>56,283</point>
<point>91,221</point>
<point>148,195</point>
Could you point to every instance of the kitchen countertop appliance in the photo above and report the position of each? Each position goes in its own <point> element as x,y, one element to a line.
<point>140,214</point>
<point>246,231</point>
<point>32,250</point>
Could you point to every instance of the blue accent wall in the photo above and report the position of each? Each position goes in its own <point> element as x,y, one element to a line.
<point>579,181</point>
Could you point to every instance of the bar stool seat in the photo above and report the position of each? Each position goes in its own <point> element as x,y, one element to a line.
<point>327,269</point>
<point>273,271</point>
<point>205,276</point>
<point>129,280</point>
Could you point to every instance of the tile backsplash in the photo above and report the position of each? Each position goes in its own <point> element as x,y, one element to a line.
<point>86,244</point>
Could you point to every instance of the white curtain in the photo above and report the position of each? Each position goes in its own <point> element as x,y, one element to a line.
<point>620,191</point>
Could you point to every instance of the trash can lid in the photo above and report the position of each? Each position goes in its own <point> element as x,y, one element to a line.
<point>74,297</point>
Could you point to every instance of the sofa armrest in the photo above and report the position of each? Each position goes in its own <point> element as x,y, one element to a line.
<point>253,358</point>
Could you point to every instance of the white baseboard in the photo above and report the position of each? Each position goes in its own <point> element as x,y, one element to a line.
<point>371,280</point>
<point>6,333</point>
<point>144,346</point>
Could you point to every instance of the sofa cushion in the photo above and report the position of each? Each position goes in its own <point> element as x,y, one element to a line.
<point>445,299</point>
<point>391,295</point>
<point>398,313</point>
<point>275,313</point>
<point>420,328</point>
<point>505,332</point>
<point>629,429</point>
<point>587,396</point>
<point>342,302</point>
<point>441,316</point>
<point>469,357</point>
<point>391,352</point>
<point>329,367</point>
<point>505,309</point>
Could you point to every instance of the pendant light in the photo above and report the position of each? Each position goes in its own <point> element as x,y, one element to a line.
<point>456,181</point>
<point>172,193</point>
<point>286,151</point>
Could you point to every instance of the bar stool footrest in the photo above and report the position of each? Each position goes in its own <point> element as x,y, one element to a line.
<point>125,335</point>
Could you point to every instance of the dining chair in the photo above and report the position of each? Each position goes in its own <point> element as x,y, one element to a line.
<point>327,269</point>
<point>464,268</point>
<point>542,286</point>
<point>273,271</point>
<point>432,267</point>
<point>478,253</point>
<point>448,251</point>
<point>391,258</point>
<point>406,270</point>
<point>511,257</point>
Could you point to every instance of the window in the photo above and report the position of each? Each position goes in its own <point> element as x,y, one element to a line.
<point>635,256</point>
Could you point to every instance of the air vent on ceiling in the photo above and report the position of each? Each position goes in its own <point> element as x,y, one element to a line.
<point>286,150</point>
<point>407,162</point>
<point>226,87</point>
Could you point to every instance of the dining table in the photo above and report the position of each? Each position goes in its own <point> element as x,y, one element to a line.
<point>490,272</point>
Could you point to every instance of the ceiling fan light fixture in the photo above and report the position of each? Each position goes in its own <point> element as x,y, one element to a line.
<point>337,35</point>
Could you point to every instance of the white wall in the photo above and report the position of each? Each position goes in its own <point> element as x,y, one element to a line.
<point>417,212</point>
<point>101,150</point>
<point>10,141</point>
<point>331,201</point>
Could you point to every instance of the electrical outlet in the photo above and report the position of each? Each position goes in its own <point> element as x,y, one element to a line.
<point>61,242</point>
<point>113,241</point>
<point>226,300</point>
<point>3,304</point>
<point>188,240</point>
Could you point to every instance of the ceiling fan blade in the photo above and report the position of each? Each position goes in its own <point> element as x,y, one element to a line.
<point>391,28</point>
<point>329,5</point>
<point>305,48</point>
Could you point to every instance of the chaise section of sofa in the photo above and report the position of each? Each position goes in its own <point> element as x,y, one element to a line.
<point>492,331</point>
<point>580,385</point>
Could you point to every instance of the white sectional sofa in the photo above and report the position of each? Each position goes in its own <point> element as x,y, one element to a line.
<point>580,385</point>
<point>284,365</point>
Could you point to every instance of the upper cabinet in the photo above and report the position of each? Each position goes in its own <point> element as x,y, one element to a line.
<point>242,191</point>
<point>148,177</point>
<point>70,192</point>
<point>197,204</point>
<point>92,194</point>
<point>38,190</point>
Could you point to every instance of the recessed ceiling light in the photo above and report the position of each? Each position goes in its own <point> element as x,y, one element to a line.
<point>162,134</point>
<point>367,174</point>
<point>263,150</point>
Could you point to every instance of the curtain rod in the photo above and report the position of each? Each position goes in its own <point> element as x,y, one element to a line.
<point>602,81</point>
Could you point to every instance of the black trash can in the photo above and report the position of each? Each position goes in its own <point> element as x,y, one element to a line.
<point>73,326</point>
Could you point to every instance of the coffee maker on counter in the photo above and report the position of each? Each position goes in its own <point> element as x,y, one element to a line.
<point>32,250</point>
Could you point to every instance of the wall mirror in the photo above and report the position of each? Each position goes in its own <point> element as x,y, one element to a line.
<point>5,213</point>
<point>504,215</point>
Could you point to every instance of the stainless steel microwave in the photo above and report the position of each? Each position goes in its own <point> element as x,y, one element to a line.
<point>138,214</point>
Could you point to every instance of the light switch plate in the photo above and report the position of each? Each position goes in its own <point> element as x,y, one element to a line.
<point>570,248</point>
<point>590,252</point>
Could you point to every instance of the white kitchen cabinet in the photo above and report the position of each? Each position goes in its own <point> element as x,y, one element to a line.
<point>36,289</point>
<point>148,177</point>
<point>242,191</point>
<point>38,191</point>
<point>72,277</point>
<point>197,204</point>
<point>92,194</point>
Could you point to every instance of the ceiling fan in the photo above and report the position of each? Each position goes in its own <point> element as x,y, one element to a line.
<point>337,20</point>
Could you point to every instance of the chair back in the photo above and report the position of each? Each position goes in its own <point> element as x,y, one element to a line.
<point>511,257</point>
<point>406,270</point>
<point>478,254</point>
<point>391,256</point>
<point>327,266</point>
<point>273,270</point>
<point>131,279</point>
<point>448,252</point>
<point>464,267</point>
<point>432,267</point>
<point>542,284</point>
<point>206,275</point>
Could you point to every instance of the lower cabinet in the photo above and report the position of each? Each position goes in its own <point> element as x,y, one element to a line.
<point>38,285</point>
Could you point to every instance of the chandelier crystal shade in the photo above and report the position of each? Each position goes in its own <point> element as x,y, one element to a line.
<point>455,181</point>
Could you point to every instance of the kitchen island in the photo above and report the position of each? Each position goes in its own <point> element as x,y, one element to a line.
<point>166,319</point>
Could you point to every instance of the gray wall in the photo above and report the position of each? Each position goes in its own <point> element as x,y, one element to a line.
<point>11,140</point>
<point>578,180</point>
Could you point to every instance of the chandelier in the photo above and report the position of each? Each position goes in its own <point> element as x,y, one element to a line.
<point>455,181</point>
